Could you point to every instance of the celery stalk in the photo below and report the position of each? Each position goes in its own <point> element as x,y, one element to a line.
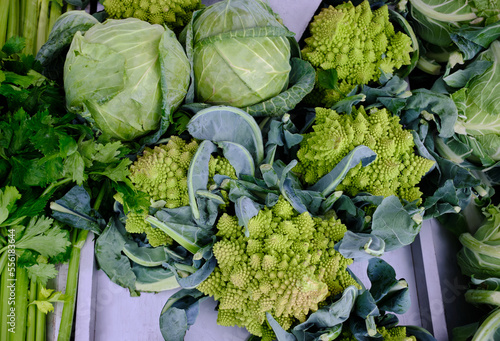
<point>21,304</point>
<point>41,320</point>
<point>4,16</point>
<point>3,260</point>
<point>31,322</point>
<point>71,286</point>
<point>43,18</point>
<point>78,238</point>
<point>13,24</point>
<point>54,14</point>
<point>4,303</point>
<point>30,25</point>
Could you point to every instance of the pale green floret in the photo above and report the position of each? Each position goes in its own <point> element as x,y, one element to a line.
<point>358,43</point>
<point>397,170</point>
<point>136,223</point>
<point>172,13</point>
<point>272,270</point>
<point>220,165</point>
<point>161,172</point>
<point>395,334</point>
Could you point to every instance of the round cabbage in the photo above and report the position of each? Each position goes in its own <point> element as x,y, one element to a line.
<point>124,76</point>
<point>241,53</point>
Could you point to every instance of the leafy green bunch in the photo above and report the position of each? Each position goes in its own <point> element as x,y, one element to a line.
<point>30,247</point>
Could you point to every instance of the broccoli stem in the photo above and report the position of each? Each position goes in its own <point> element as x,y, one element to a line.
<point>31,322</point>
<point>487,329</point>
<point>4,16</point>
<point>174,234</point>
<point>13,24</point>
<point>41,320</point>
<point>30,24</point>
<point>41,33</point>
<point>21,304</point>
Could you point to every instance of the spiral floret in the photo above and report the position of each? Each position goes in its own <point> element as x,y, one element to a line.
<point>271,270</point>
<point>175,14</point>
<point>358,43</point>
<point>397,170</point>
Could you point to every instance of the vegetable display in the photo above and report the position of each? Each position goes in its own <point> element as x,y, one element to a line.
<point>209,150</point>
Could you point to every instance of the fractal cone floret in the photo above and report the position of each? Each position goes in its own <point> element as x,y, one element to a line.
<point>358,43</point>
<point>287,266</point>
<point>161,173</point>
<point>172,13</point>
<point>397,170</point>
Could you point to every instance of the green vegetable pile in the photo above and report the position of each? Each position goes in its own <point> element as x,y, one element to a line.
<point>209,151</point>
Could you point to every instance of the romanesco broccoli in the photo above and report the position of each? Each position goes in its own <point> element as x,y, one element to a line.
<point>358,43</point>
<point>136,223</point>
<point>173,13</point>
<point>286,266</point>
<point>161,173</point>
<point>395,334</point>
<point>396,170</point>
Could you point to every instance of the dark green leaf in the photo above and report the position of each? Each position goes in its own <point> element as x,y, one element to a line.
<point>108,252</point>
<point>74,209</point>
<point>393,224</point>
<point>301,82</point>
<point>222,123</point>
<point>179,313</point>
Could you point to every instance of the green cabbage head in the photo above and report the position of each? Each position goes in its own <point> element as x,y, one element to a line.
<point>124,76</point>
<point>241,53</point>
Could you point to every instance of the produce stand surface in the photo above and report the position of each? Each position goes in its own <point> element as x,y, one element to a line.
<point>106,311</point>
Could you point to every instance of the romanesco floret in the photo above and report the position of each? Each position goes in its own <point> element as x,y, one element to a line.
<point>396,169</point>
<point>220,165</point>
<point>161,172</point>
<point>395,334</point>
<point>358,43</point>
<point>286,266</point>
<point>136,223</point>
<point>173,13</point>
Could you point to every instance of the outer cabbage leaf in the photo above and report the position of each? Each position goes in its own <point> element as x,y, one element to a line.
<point>436,19</point>
<point>479,101</point>
<point>51,54</point>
